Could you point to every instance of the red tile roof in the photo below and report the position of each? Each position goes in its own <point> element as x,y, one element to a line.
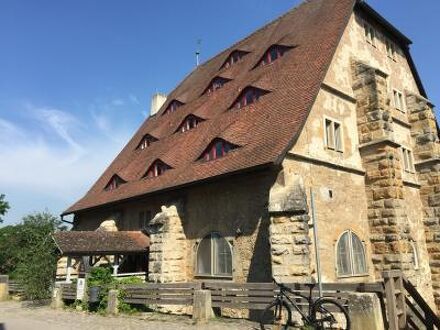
<point>77,243</point>
<point>264,130</point>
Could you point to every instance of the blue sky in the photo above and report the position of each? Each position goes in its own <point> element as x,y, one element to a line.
<point>76,78</point>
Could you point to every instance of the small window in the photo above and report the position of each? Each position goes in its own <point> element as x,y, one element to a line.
<point>350,255</point>
<point>114,183</point>
<point>173,106</point>
<point>370,34</point>
<point>398,99</point>
<point>414,255</point>
<point>156,169</point>
<point>273,53</point>
<point>233,58</point>
<point>144,219</point>
<point>146,141</point>
<point>214,257</point>
<point>391,49</point>
<point>215,84</point>
<point>408,162</point>
<point>333,135</point>
<point>217,149</point>
<point>189,123</point>
<point>248,96</point>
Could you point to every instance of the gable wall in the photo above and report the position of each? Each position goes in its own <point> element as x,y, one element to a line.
<point>311,159</point>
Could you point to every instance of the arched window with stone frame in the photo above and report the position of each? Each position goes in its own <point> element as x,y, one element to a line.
<point>350,255</point>
<point>214,257</point>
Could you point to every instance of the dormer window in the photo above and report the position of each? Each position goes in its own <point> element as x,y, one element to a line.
<point>248,96</point>
<point>233,58</point>
<point>188,123</point>
<point>114,183</point>
<point>273,53</point>
<point>146,141</point>
<point>215,84</point>
<point>217,149</point>
<point>174,104</point>
<point>156,169</point>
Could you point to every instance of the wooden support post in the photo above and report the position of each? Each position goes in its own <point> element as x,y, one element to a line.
<point>202,308</point>
<point>113,302</point>
<point>69,270</point>
<point>395,299</point>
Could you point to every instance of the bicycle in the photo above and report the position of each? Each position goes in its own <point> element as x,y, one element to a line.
<point>323,313</point>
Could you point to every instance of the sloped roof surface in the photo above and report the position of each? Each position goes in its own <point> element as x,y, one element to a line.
<point>101,242</point>
<point>263,130</point>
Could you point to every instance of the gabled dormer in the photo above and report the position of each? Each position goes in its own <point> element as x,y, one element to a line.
<point>233,58</point>
<point>146,141</point>
<point>248,96</point>
<point>216,149</point>
<point>114,183</point>
<point>157,168</point>
<point>190,122</point>
<point>216,83</point>
<point>173,106</point>
<point>272,54</point>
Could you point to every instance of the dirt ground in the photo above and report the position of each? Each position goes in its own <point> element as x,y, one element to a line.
<point>20,316</point>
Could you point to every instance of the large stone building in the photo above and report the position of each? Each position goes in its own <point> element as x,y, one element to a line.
<point>325,100</point>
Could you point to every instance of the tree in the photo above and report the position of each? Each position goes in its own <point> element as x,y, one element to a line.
<point>29,253</point>
<point>4,207</point>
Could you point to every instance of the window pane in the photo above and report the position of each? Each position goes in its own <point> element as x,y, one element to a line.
<point>204,257</point>
<point>358,255</point>
<point>343,256</point>
<point>222,256</point>
<point>329,134</point>
<point>219,149</point>
<point>338,141</point>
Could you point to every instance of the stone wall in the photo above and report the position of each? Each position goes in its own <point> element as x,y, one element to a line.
<point>389,226</point>
<point>427,157</point>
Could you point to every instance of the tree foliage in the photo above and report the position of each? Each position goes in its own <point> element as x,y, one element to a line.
<point>28,253</point>
<point>4,207</point>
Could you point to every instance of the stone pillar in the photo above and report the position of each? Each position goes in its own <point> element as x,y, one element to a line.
<point>4,287</point>
<point>289,230</point>
<point>113,302</point>
<point>57,297</point>
<point>167,261</point>
<point>387,219</point>
<point>365,311</point>
<point>427,160</point>
<point>202,309</point>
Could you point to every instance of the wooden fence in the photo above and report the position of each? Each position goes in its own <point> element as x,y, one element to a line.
<point>160,294</point>
<point>15,288</point>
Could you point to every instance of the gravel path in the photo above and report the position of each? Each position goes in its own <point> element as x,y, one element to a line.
<point>19,316</point>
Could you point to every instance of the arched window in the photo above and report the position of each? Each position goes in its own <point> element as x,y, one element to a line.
<point>350,255</point>
<point>217,148</point>
<point>248,96</point>
<point>214,257</point>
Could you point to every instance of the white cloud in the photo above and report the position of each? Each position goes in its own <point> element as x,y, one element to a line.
<point>56,155</point>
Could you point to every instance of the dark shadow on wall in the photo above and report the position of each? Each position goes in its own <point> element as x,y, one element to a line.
<point>2,326</point>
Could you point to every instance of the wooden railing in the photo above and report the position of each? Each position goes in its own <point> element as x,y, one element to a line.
<point>160,294</point>
<point>406,308</point>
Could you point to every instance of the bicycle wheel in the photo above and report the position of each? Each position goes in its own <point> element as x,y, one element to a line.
<point>276,316</point>
<point>329,314</point>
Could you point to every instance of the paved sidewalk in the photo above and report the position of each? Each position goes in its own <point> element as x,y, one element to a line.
<point>15,316</point>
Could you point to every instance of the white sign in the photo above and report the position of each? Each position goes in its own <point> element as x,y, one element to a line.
<point>80,288</point>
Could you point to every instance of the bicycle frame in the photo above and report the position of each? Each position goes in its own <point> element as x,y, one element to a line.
<point>282,296</point>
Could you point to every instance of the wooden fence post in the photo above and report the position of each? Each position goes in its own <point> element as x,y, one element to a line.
<point>395,299</point>
<point>4,287</point>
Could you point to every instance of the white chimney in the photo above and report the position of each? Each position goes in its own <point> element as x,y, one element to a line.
<point>157,101</point>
